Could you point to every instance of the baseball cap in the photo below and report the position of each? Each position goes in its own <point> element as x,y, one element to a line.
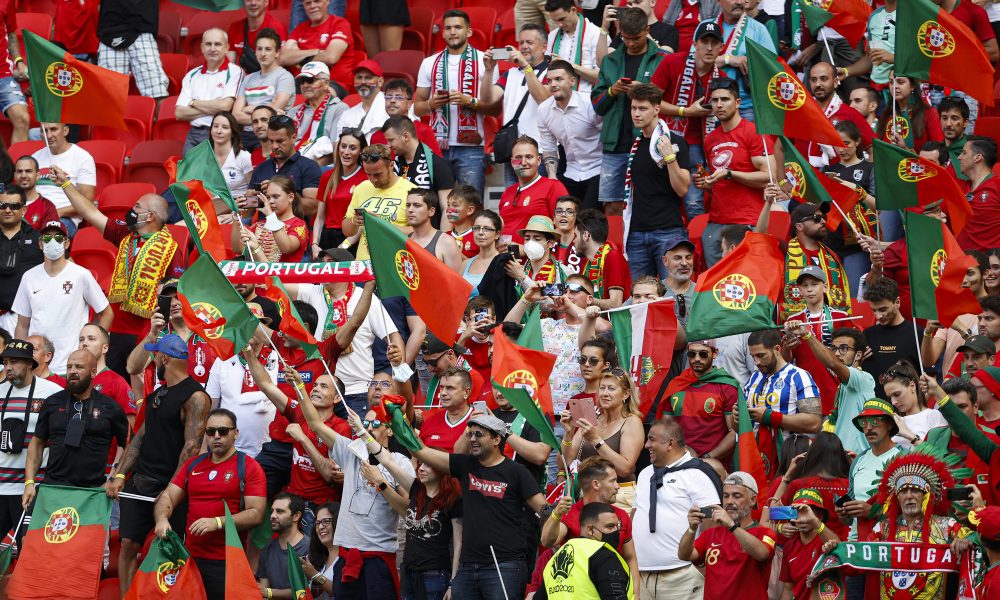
<point>708,28</point>
<point>369,65</point>
<point>979,344</point>
<point>987,521</point>
<point>170,285</point>
<point>491,423</point>
<point>804,211</point>
<point>54,225</point>
<point>682,242</point>
<point>171,344</point>
<point>811,271</point>
<point>314,68</point>
<point>742,478</point>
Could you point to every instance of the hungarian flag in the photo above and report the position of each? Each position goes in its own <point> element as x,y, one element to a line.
<point>937,267</point>
<point>934,46</point>
<point>241,584</point>
<point>291,323</point>
<point>849,18</point>
<point>518,367</point>
<point>404,268</point>
<point>214,309</point>
<point>297,577</point>
<point>69,90</point>
<point>645,334</point>
<point>67,532</point>
<point>907,181</point>
<point>167,572</point>
<point>195,204</point>
<point>740,292</point>
<point>809,185</point>
<point>521,400</point>
<point>199,163</point>
<point>781,102</point>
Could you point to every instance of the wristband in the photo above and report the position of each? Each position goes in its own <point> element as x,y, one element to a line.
<point>765,419</point>
<point>273,223</point>
<point>379,450</point>
<point>369,439</point>
<point>28,482</point>
<point>65,184</point>
<point>528,69</point>
<point>776,418</point>
<point>928,334</point>
<point>567,443</point>
<point>218,522</point>
<point>270,594</point>
<point>669,158</point>
<point>733,528</point>
<point>119,476</point>
<point>808,336</point>
<point>680,111</point>
<point>555,517</point>
<point>611,92</point>
<point>726,58</point>
<point>821,528</point>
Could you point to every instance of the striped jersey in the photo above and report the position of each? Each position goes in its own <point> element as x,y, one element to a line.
<point>13,402</point>
<point>781,391</point>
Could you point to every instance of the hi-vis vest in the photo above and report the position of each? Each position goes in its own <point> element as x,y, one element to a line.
<point>567,575</point>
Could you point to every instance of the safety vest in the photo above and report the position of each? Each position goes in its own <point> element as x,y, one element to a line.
<point>567,573</point>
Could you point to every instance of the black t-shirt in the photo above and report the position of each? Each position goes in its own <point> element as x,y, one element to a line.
<point>493,504</point>
<point>120,22</point>
<point>861,174</point>
<point>273,563</point>
<point>655,205</point>
<point>890,344</point>
<point>665,34</point>
<point>17,255</point>
<point>528,433</point>
<point>429,536</point>
<point>625,134</point>
<point>104,421</point>
<point>420,174</point>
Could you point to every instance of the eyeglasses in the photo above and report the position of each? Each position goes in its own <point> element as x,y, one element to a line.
<point>373,424</point>
<point>698,353</point>
<point>841,349</point>
<point>487,229</point>
<point>474,435</point>
<point>281,120</point>
<point>379,383</point>
<point>397,97</point>
<point>324,523</point>
<point>78,407</point>
<point>11,206</point>
<point>892,374</point>
<point>369,157</point>
<point>48,237</point>
<point>218,431</point>
<point>589,360</point>
<point>564,211</point>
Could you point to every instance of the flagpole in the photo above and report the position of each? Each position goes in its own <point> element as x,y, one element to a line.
<point>830,54</point>
<point>499,573</point>
<point>129,496</point>
<point>916,338</point>
<point>631,306</point>
<point>770,173</point>
<point>846,220</point>
<point>18,528</point>
<point>567,486</point>
<point>830,321</point>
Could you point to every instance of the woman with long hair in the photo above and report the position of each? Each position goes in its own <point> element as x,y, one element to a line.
<point>912,416</point>
<point>234,161</point>
<point>855,172</point>
<point>279,236</point>
<point>991,278</point>
<point>597,355</point>
<point>433,522</point>
<point>335,189</point>
<point>916,121</point>
<point>617,435</point>
<point>486,228</point>
<point>323,552</point>
<point>825,467</point>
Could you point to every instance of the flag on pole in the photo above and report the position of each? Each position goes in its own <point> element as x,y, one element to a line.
<point>740,292</point>
<point>213,5</point>
<point>518,367</point>
<point>196,207</point>
<point>200,163</point>
<point>404,268</point>
<point>932,45</point>
<point>907,181</point>
<point>931,249</point>
<point>531,334</point>
<point>68,90</point>
<point>240,581</point>
<point>849,18</point>
<point>167,572</point>
<point>781,103</point>
<point>952,299</point>
<point>748,456</point>
<point>291,322</point>
<point>213,308</point>
<point>402,431</point>
<point>297,577</point>
<point>521,400</point>
<point>645,335</point>
<point>67,532</point>
<point>809,185</point>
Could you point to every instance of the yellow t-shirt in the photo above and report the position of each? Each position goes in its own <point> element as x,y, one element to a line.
<point>388,204</point>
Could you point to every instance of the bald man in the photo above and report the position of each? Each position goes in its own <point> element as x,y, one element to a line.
<point>142,239</point>
<point>210,89</point>
<point>823,83</point>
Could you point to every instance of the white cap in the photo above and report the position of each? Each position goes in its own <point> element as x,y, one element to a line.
<point>314,68</point>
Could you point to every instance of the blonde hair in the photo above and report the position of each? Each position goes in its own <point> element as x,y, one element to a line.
<point>630,404</point>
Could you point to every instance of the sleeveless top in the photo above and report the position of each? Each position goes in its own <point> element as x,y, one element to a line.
<point>164,436</point>
<point>614,442</point>
<point>473,278</point>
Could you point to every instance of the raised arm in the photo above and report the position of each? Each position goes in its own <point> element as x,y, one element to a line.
<point>263,380</point>
<point>822,353</point>
<point>84,206</point>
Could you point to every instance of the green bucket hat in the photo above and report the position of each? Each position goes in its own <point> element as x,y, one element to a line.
<point>540,224</point>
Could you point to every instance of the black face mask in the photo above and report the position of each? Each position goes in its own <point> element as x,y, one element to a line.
<point>132,219</point>
<point>611,539</point>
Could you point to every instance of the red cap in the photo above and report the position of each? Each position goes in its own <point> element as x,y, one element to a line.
<point>54,225</point>
<point>369,65</point>
<point>988,520</point>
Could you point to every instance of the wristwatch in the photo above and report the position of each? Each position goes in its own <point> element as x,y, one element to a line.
<point>729,173</point>
<point>383,486</point>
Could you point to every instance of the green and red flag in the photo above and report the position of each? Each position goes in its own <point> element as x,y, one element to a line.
<point>740,292</point>
<point>240,581</point>
<point>931,249</point>
<point>200,163</point>
<point>748,456</point>
<point>809,185</point>
<point>297,577</point>
<point>167,572</point>
<point>291,322</point>
<point>68,90</point>
<point>952,299</point>
<point>402,431</point>
<point>782,104</point>
<point>521,400</point>
<point>849,18</point>
<point>645,334</point>
<point>518,367</point>
<point>198,210</point>
<point>213,308</point>
<point>404,268</point>
<point>68,528</point>
<point>932,45</point>
<point>907,181</point>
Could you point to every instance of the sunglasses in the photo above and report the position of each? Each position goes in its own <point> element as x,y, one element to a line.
<point>589,360</point>
<point>575,287</point>
<point>373,424</point>
<point>616,372</point>
<point>11,206</point>
<point>474,435</point>
<point>218,431</point>
<point>309,80</point>
<point>369,157</point>
<point>870,421</point>
<point>814,218</point>
<point>698,354</point>
<point>48,237</point>
<point>377,383</point>
<point>893,374</point>
<point>281,120</point>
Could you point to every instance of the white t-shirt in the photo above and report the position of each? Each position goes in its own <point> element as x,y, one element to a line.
<point>78,164</point>
<point>254,412</point>
<point>357,367</point>
<point>236,170</point>
<point>568,44</point>
<point>12,465</point>
<point>200,84</point>
<point>426,79</point>
<point>920,424</point>
<point>59,306</point>
<point>370,122</point>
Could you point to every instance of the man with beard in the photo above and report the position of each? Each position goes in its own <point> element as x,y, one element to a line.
<point>421,206</point>
<point>604,264</point>
<point>678,261</point>
<point>891,338</point>
<point>442,428</point>
<point>78,426</point>
<point>259,119</point>
<point>806,249</point>
<point>823,83</point>
<point>40,210</point>
<point>24,392</point>
<point>19,251</point>
<point>577,40</point>
<point>532,195</point>
<point>978,157</point>
<point>324,39</point>
<point>369,115</point>
<point>383,195</point>
<point>287,513</point>
<point>95,339</point>
<point>285,159</point>
<point>399,103</point>
<point>701,399</point>
<point>317,120</point>
<point>171,433</point>
<point>736,555</point>
<point>416,162</point>
<point>864,99</point>
<point>954,114</point>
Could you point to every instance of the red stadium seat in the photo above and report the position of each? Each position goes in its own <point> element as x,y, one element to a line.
<point>117,199</point>
<point>91,251</point>
<point>139,119</point>
<point>421,30</point>
<point>186,12</point>
<point>168,36</point>
<point>27,147</point>
<point>109,156</point>
<point>167,127</point>
<point>37,23</point>
<point>484,24</point>
<point>176,67</point>
<point>400,62</point>
<point>507,33</point>
<point>46,7</point>
<point>146,162</point>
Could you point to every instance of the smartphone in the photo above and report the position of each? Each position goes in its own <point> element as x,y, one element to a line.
<point>480,406</point>
<point>840,501</point>
<point>959,493</point>
<point>481,315</point>
<point>252,200</point>
<point>554,289</point>
<point>708,511</point>
<point>359,212</point>
<point>440,92</point>
<point>515,251</point>
<point>626,81</point>
<point>783,513</point>
<point>163,306</point>
<point>583,408</point>
<point>501,54</point>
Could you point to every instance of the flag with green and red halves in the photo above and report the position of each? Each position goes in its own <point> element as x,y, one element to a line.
<point>781,103</point>
<point>849,18</point>
<point>240,581</point>
<point>519,367</point>
<point>404,268</point>
<point>932,45</point>
<point>748,456</point>
<point>68,90</point>
<point>809,185</point>
<point>297,577</point>
<point>67,532</point>
<point>291,322</point>
<point>907,181</point>
<point>213,308</point>
<point>199,163</point>
<point>167,572</point>
<point>196,206</point>
<point>936,265</point>
<point>740,292</point>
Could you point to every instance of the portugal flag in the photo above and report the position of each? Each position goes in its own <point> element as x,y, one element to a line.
<point>240,581</point>
<point>934,46</point>
<point>199,163</point>
<point>214,309</point>
<point>748,456</point>
<point>61,555</point>
<point>809,185</point>
<point>167,572</point>
<point>645,334</point>
<point>404,268</point>
<point>297,577</point>
<point>849,18</point>
<point>906,181</point>
<point>69,90</point>
<point>195,204</point>
<point>518,367</point>
<point>936,265</point>
<point>291,323</point>
<point>740,292</point>
<point>781,102</point>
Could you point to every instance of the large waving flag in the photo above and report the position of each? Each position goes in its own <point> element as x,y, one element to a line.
<point>934,46</point>
<point>195,205</point>
<point>69,90</point>
<point>809,185</point>
<point>240,581</point>
<point>66,535</point>
<point>214,309</point>
<point>645,335</point>
<point>297,577</point>
<point>199,163</point>
<point>748,456</point>
<point>518,367</point>
<point>849,18</point>
<point>167,572</point>
<point>936,265</point>
<point>782,104</point>
<point>291,323</point>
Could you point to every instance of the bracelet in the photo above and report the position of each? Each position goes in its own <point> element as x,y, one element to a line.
<point>119,476</point>
<point>733,528</point>
<point>555,517</point>
<point>528,69</point>
<point>598,445</point>
<point>65,184</point>
<point>669,158</point>
<point>821,528</point>
<point>567,443</point>
<point>218,522</point>
<point>931,334</point>
<point>380,448</point>
<point>680,111</point>
<point>611,92</point>
<point>28,482</point>
<point>727,57</point>
<point>19,59</point>
<point>270,594</point>
<point>692,530</point>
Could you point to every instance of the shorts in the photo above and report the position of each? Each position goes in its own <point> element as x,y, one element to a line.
<point>136,520</point>
<point>385,12</point>
<point>141,59</point>
<point>10,94</point>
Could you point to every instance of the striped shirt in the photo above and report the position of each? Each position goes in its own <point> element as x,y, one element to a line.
<point>12,465</point>
<point>781,391</point>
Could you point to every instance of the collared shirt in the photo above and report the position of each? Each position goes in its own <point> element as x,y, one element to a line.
<point>303,171</point>
<point>369,122</point>
<point>202,84</point>
<point>578,128</point>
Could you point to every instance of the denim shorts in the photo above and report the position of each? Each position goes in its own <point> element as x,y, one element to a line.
<point>10,94</point>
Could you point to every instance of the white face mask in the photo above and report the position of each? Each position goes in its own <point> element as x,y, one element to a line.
<point>534,250</point>
<point>54,250</point>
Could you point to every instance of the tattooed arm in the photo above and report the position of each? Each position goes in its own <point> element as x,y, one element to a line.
<point>808,418</point>
<point>195,413</point>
